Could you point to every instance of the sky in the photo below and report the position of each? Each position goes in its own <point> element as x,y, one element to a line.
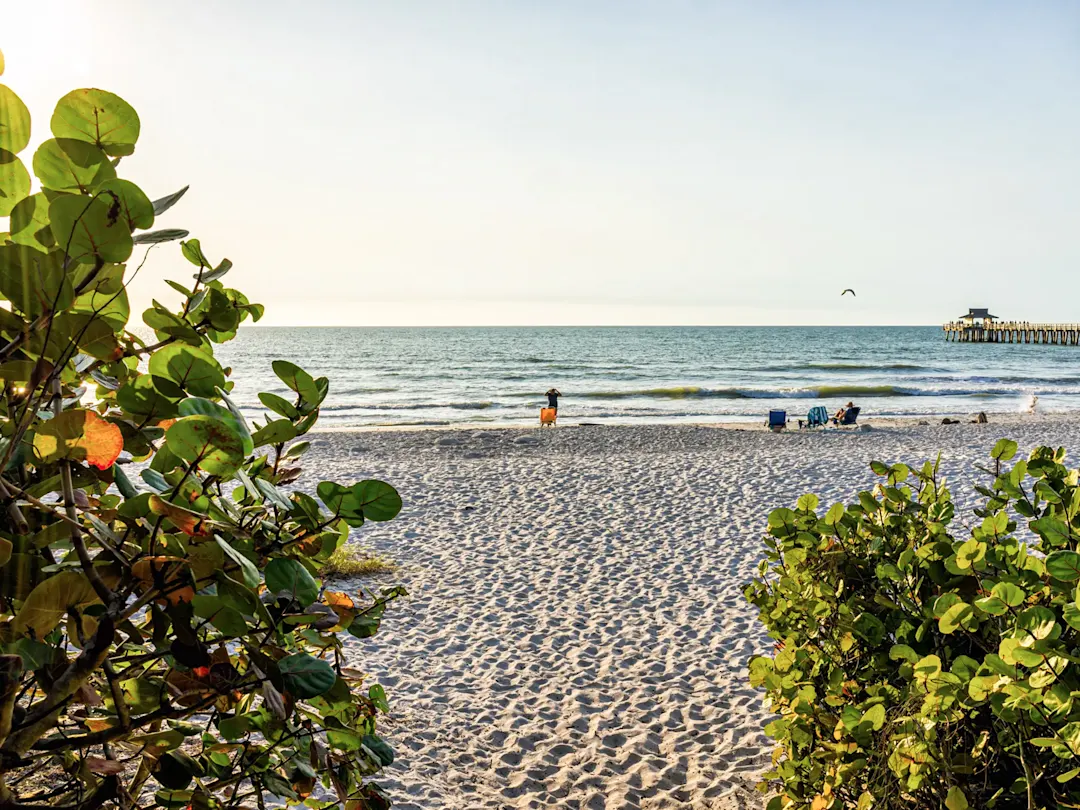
<point>609,162</point>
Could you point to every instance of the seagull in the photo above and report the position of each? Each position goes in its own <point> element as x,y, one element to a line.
<point>849,290</point>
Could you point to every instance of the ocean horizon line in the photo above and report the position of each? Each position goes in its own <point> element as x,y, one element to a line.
<point>602,326</point>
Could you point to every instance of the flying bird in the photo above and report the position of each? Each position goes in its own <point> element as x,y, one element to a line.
<point>849,290</point>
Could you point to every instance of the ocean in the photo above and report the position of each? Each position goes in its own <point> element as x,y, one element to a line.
<point>624,375</point>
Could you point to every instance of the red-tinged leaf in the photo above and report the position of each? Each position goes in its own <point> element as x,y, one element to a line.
<point>104,767</point>
<point>79,435</point>
<point>87,697</point>
<point>211,443</point>
<point>190,523</point>
<point>100,723</point>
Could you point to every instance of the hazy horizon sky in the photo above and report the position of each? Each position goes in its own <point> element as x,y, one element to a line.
<point>367,163</point>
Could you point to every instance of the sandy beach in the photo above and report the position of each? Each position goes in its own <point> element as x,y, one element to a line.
<point>576,634</point>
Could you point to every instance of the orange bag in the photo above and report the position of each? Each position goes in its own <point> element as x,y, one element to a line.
<point>547,416</point>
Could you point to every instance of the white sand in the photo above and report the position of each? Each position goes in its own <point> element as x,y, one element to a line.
<point>576,635</point>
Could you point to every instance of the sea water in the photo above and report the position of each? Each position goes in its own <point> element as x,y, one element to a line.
<point>627,375</point>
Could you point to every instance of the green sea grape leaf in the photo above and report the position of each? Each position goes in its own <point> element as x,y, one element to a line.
<point>1063,565</point>
<point>869,627</point>
<point>1071,614</point>
<point>284,574</point>
<point>927,668</point>
<point>169,324</point>
<point>212,443</point>
<point>123,483</point>
<point>92,335</point>
<point>90,229</point>
<point>1004,450</point>
<point>339,501</point>
<point>1055,532</point>
<point>956,800</point>
<point>140,398</point>
<point>875,716</point>
<point>14,121</point>
<point>1011,652</point>
<point>956,616</point>
<point>1038,621</point>
<point>376,499</point>
<point>33,281</point>
<point>305,676</point>
<point>177,368</point>
<point>106,297</point>
<point>944,602</point>
<point>279,405</point>
<point>14,182</point>
<point>276,432</point>
<point>247,569</point>
<point>970,553</point>
<point>992,605</point>
<point>298,380</point>
<point>135,207</point>
<point>1011,595</point>
<point>30,223</point>
<point>902,652</point>
<point>71,166</point>
<point>382,753</point>
<point>193,406</point>
<point>155,480</point>
<point>192,250</point>
<point>97,117</point>
<point>297,450</point>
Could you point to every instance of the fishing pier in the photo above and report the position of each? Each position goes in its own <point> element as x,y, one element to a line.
<point>979,326</point>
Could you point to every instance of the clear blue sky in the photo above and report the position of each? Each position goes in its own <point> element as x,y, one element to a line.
<point>370,162</point>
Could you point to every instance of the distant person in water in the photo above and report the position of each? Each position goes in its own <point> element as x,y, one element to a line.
<point>553,395</point>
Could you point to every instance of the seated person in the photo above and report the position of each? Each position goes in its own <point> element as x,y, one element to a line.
<point>840,414</point>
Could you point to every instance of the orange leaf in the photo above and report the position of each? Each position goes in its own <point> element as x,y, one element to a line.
<point>167,570</point>
<point>337,599</point>
<point>80,435</point>
<point>190,523</point>
<point>100,723</point>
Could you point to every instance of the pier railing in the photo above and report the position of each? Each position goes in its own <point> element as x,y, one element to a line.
<point>1059,334</point>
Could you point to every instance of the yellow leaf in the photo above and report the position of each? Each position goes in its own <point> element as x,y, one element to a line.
<point>50,601</point>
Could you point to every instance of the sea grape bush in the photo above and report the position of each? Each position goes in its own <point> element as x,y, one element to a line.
<point>168,644</point>
<point>919,663</point>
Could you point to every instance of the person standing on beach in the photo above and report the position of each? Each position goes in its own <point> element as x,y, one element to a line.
<point>553,395</point>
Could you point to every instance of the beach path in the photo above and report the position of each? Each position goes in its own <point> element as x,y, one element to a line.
<point>576,634</point>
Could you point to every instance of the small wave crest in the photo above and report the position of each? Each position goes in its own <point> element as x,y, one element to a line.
<point>811,392</point>
<point>410,406</point>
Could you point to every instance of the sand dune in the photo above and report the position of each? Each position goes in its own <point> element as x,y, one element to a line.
<point>576,635</point>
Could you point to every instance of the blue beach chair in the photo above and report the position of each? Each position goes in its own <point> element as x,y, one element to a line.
<point>818,417</point>
<point>850,415</point>
<point>777,420</point>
